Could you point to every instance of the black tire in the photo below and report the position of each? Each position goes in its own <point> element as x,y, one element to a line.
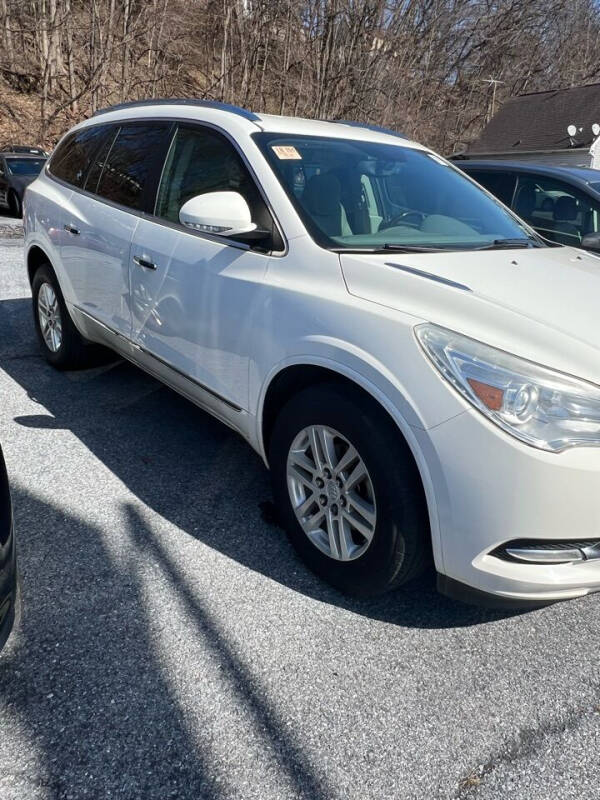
<point>14,204</point>
<point>73,352</point>
<point>400,547</point>
<point>18,601</point>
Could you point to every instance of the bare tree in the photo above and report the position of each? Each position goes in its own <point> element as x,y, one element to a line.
<point>418,65</point>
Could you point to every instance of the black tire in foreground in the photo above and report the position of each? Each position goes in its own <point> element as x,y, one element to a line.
<point>348,491</point>
<point>61,342</point>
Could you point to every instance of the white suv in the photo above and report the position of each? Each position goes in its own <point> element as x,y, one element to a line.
<point>365,315</point>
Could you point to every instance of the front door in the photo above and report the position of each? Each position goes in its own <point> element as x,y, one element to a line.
<point>195,297</point>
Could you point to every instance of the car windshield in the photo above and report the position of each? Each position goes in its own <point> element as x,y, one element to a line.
<point>25,166</point>
<point>368,195</point>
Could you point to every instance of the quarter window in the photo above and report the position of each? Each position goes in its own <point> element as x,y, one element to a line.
<point>73,156</point>
<point>126,168</point>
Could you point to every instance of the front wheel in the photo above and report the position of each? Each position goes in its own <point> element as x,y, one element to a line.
<point>348,491</point>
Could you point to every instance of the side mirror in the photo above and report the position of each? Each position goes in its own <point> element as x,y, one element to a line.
<point>222,213</point>
<point>591,241</point>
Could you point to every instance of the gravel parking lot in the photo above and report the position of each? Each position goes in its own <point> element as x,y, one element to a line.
<point>172,646</point>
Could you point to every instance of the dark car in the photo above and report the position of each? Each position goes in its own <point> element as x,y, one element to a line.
<point>561,203</point>
<point>24,148</point>
<point>8,559</point>
<point>17,171</point>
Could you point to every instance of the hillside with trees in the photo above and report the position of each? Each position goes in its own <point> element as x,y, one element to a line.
<point>422,66</point>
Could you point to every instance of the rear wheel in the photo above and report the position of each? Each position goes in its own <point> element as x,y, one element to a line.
<point>348,491</point>
<point>61,342</point>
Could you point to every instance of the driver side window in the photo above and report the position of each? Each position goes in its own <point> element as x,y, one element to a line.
<point>557,210</point>
<point>201,160</point>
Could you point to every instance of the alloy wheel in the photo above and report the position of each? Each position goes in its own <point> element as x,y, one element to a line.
<point>49,317</point>
<point>331,492</point>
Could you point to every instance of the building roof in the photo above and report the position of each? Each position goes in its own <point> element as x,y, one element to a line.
<point>538,122</point>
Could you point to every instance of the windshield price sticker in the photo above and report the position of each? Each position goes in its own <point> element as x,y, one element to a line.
<point>286,152</point>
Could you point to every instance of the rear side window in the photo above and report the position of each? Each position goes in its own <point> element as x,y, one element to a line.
<point>72,158</point>
<point>501,184</point>
<point>126,167</point>
<point>99,161</point>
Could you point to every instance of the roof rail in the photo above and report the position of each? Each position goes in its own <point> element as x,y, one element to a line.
<point>375,128</point>
<point>241,112</point>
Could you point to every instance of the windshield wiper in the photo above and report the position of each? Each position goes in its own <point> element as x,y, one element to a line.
<point>510,244</point>
<point>410,248</point>
<point>387,248</point>
<point>391,247</point>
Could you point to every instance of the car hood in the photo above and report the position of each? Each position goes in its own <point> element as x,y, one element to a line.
<point>541,303</point>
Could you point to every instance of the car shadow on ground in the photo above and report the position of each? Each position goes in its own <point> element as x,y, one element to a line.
<point>87,696</point>
<point>193,471</point>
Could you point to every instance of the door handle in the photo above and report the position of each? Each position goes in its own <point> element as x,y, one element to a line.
<point>144,262</point>
<point>72,229</point>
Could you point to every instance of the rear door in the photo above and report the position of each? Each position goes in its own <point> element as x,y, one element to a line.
<point>69,165</point>
<point>102,218</point>
<point>194,294</point>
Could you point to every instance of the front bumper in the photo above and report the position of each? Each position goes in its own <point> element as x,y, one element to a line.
<point>490,488</point>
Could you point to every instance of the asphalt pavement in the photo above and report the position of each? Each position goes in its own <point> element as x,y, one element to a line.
<point>172,645</point>
<point>10,227</point>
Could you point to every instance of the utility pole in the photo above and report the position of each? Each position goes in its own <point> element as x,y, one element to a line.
<point>494,83</point>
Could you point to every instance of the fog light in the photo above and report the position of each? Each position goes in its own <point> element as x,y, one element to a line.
<point>537,551</point>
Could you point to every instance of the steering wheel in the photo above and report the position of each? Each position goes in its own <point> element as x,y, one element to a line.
<point>404,218</point>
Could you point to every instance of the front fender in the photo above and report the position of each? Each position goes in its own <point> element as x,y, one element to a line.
<point>379,383</point>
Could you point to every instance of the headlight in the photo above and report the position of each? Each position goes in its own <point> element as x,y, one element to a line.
<point>544,408</point>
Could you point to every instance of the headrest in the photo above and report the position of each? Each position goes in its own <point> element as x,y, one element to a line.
<point>322,195</point>
<point>548,204</point>
<point>565,208</point>
<point>525,203</point>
